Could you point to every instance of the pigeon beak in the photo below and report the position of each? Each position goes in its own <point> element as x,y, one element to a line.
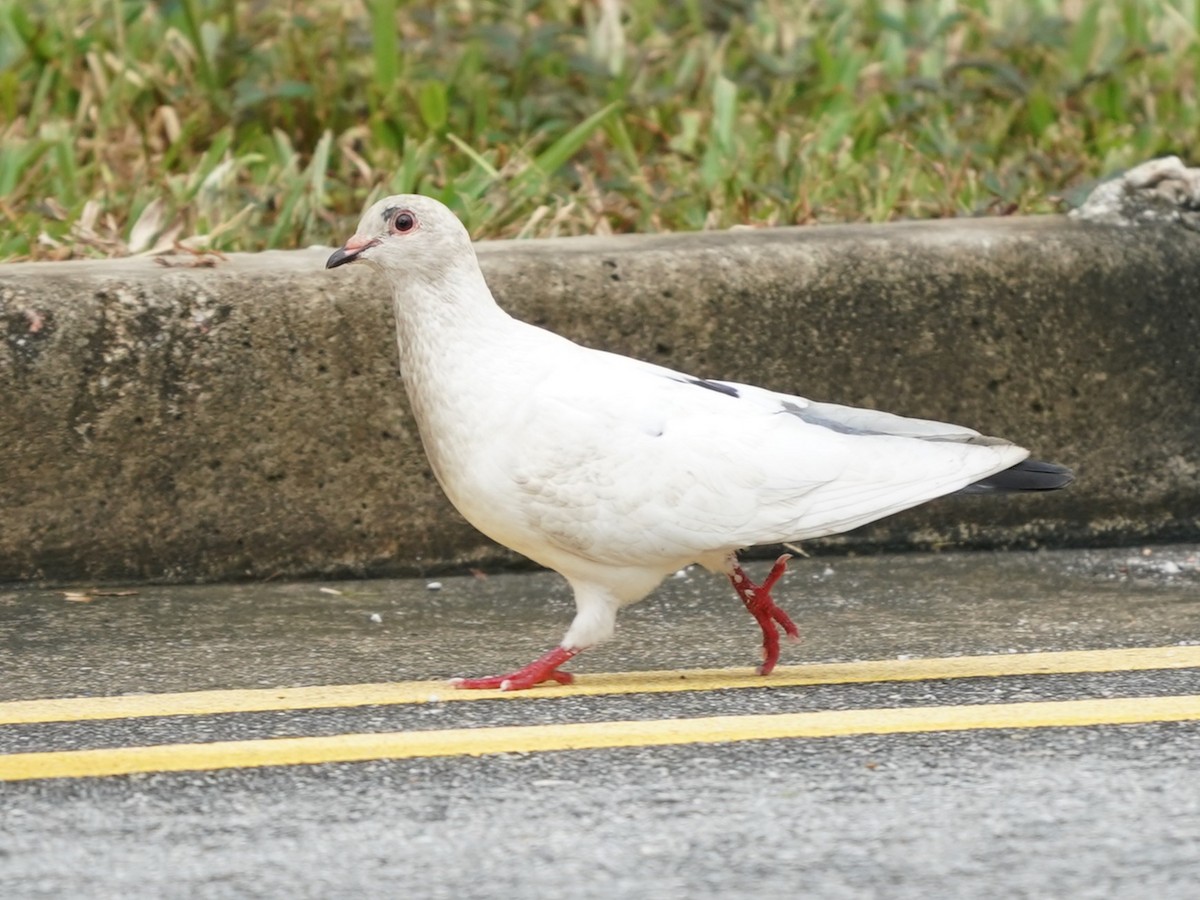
<point>350,251</point>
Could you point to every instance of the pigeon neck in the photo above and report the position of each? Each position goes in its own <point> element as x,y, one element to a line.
<point>450,332</point>
<point>455,309</point>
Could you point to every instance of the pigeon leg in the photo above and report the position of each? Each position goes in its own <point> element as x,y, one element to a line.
<point>544,668</point>
<point>757,599</point>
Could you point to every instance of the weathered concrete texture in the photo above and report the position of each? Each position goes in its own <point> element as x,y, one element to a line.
<point>1161,190</point>
<point>249,420</point>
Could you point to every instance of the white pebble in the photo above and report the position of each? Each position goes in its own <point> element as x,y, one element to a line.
<point>433,586</point>
<point>376,618</point>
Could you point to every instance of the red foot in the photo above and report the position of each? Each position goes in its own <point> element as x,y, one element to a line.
<point>757,598</point>
<point>542,669</point>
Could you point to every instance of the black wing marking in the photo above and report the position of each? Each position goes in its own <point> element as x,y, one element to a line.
<point>717,386</point>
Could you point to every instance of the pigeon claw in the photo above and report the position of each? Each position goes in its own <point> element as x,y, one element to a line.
<point>542,669</point>
<point>770,618</point>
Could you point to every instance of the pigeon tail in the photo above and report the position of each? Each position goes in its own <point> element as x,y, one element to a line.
<point>1030,475</point>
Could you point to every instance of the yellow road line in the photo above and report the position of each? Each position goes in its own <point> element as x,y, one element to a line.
<point>590,736</point>
<point>198,703</point>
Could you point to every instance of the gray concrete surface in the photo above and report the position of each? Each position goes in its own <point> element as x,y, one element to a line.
<point>1087,814</point>
<point>248,420</point>
<point>1160,190</point>
<point>1096,812</point>
<point>164,638</point>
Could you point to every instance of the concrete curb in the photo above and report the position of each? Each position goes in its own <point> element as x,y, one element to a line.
<point>248,420</point>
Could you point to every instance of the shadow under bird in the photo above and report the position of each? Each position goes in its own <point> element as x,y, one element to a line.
<point>616,473</point>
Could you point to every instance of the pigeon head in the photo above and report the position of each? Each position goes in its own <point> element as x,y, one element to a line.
<point>405,233</point>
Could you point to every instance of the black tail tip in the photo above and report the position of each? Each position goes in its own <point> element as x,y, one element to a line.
<point>1030,475</point>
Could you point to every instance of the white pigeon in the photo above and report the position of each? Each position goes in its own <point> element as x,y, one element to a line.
<point>615,472</point>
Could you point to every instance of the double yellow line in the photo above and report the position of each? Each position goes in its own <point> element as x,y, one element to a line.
<point>203,703</point>
<point>540,738</point>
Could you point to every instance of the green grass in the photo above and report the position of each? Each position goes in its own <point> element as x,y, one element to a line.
<point>231,125</point>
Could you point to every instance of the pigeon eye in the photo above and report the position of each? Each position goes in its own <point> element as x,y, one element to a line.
<point>404,222</point>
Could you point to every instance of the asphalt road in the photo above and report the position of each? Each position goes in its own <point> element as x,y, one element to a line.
<point>1038,770</point>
